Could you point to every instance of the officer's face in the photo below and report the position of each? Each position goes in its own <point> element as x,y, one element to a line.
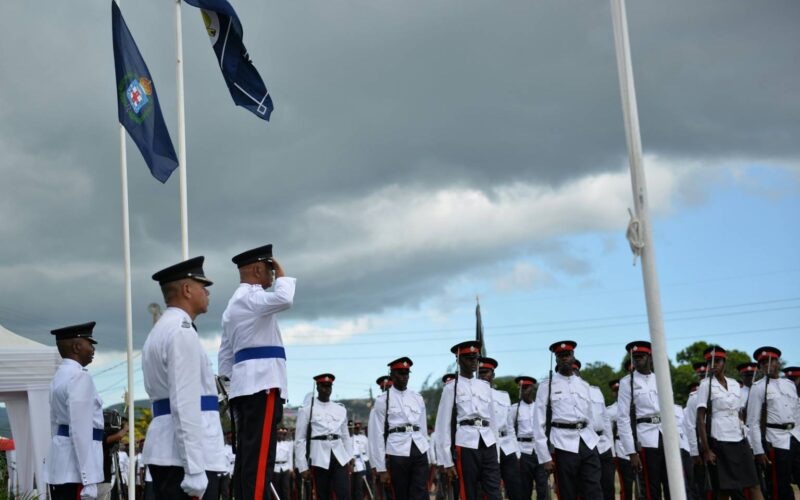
<point>641,361</point>
<point>85,351</point>
<point>324,391</point>
<point>199,295</point>
<point>487,375</point>
<point>769,366</point>
<point>400,379</point>
<point>747,379</point>
<point>527,393</point>
<point>267,274</point>
<point>564,362</point>
<point>718,367</point>
<point>468,363</point>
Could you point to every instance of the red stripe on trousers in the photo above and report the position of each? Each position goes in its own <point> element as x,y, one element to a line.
<point>462,493</point>
<point>643,456</point>
<point>266,431</point>
<point>80,488</point>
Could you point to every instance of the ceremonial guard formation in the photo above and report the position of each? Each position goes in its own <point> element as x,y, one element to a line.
<point>737,438</point>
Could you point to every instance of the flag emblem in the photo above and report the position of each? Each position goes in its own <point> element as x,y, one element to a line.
<point>137,94</point>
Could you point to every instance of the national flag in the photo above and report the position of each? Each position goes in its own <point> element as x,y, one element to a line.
<point>244,83</point>
<point>137,102</point>
<point>479,328</point>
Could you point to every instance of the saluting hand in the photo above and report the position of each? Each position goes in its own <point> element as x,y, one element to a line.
<point>276,266</point>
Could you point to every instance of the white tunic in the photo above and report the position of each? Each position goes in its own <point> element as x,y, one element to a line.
<point>250,321</point>
<point>690,419</point>
<point>506,437</point>
<point>474,400</point>
<point>601,422</point>
<point>725,406</point>
<point>571,403</point>
<point>646,400</point>
<point>680,422</point>
<point>327,418</point>
<point>611,411</point>
<point>405,408</point>
<point>176,368</point>
<point>782,408</point>
<point>360,452</point>
<point>521,417</point>
<point>74,401</point>
<point>284,456</point>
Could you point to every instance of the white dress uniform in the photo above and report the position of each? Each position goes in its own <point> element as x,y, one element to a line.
<point>725,406</point>
<point>474,401</point>
<point>782,408</point>
<point>360,452</point>
<point>76,421</point>
<point>601,422</point>
<point>123,466</point>
<point>521,416</point>
<point>506,437</point>
<point>179,380</point>
<point>611,411</point>
<point>249,332</point>
<point>329,419</point>
<point>680,422</point>
<point>690,423</point>
<point>406,409</point>
<point>646,407</point>
<point>571,403</point>
<point>284,456</point>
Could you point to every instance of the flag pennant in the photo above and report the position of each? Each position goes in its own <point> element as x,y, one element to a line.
<point>137,102</point>
<point>244,83</point>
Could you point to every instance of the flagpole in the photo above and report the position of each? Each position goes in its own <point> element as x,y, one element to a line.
<point>649,275</point>
<point>181,131</point>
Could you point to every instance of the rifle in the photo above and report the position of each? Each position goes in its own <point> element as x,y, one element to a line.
<point>308,486</point>
<point>548,413</point>
<point>708,486</point>
<point>641,492</point>
<point>386,430</point>
<point>224,393</point>
<point>763,425</point>
<point>454,411</point>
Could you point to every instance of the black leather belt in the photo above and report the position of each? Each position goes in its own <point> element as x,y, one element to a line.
<point>649,420</point>
<point>326,437</point>
<point>572,425</point>
<point>784,427</point>
<point>476,422</point>
<point>404,428</point>
<point>525,439</point>
<point>285,461</point>
<point>599,433</point>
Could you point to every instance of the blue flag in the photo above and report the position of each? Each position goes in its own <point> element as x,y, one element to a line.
<point>137,101</point>
<point>244,83</point>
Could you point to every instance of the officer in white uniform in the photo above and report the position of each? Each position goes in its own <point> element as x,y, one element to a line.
<point>621,460</point>
<point>576,462</point>
<point>398,442</point>
<point>520,418</point>
<point>75,460</point>
<point>330,447</point>
<point>506,437</point>
<point>782,455</point>
<point>747,372</point>
<point>602,427</point>
<point>467,401</point>
<point>284,464</point>
<point>184,449</point>
<point>252,356</point>
<point>648,420</point>
<point>360,461</point>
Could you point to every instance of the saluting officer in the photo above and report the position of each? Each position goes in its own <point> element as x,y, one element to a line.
<point>782,434</point>
<point>465,419</point>
<point>621,460</point>
<point>521,419</point>
<point>602,426</point>
<point>252,356</point>
<point>726,449</point>
<point>75,460</point>
<point>506,437</point>
<point>648,420</point>
<point>566,399</point>
<point>184,448</point>
<point>398,443</point>
<point>324,423</point>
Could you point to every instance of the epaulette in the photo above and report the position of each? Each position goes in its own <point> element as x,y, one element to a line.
<point>185,323</point>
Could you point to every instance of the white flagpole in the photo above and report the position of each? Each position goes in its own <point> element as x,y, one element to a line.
<point>181,131</point>
<point>651,288</point>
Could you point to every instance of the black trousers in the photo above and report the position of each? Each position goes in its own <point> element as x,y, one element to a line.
<point>409,475</point>
<point>66,491</point>
<point>357,485</point>
<point>625,472</point>
<point>607,469</point>
<point>331,483</point>
<point>510,472</point>
<point>282,481</point>
<point>578,474</point>
<point>167,483</point>
<point>785,467</point>
<point>531,471</point>
<point>478,471</point>
<point>257,417</point>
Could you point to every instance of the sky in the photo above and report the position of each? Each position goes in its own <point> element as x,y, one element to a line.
<point>420,154</point>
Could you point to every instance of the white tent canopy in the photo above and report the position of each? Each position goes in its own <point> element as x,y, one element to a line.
<point>26,369</point>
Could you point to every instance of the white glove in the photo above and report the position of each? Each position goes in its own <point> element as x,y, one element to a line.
<point>194,484</point>
<point>89,492</point>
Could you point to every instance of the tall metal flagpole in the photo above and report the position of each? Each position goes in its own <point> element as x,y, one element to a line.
<point>651,288</point>
<point>181,131</point>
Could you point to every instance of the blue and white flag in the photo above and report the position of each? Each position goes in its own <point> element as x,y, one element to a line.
<point>137,102</point>
<point>225,30</point>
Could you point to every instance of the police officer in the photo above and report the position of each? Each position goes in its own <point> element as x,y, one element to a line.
<point>793,373</point>
<point>445,488</point>
<point>747,372</point>
<point>697,479</point>
<point>75,460</point>
<point>521,420</point>
<point>252,356</point>
<point>507,439</point>
<point>324,423</point>
<point>381,490</point>
<point>780,433</point>
<point>725,450</point>
<point>466,413</point>
<point>284,464</point>
<point>184,448</point>
<point>621,460</point>
<point>398,440</point>
<point>648,420</point>
<point>361,463</point>
<point>574,458</point>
